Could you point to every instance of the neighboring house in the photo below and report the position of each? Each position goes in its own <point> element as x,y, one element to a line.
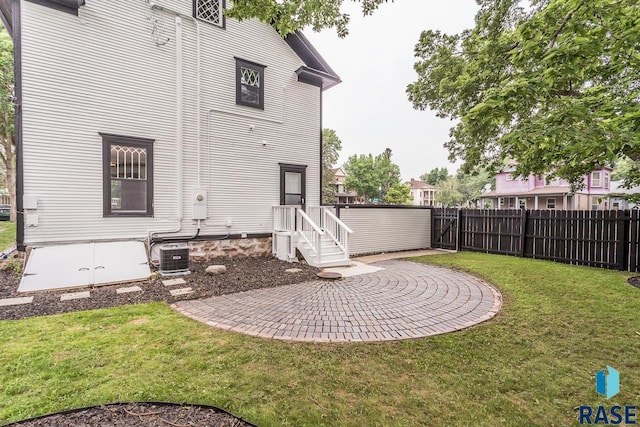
<point>342,195</point>
<point>161,121</point>
<point>616,197</point>
<point>535,192</point>
<point>423,194</point>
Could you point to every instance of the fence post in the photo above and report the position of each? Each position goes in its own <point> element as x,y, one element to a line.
<point>523,232</point>
<point>623,230</point>
<point>459,230</point>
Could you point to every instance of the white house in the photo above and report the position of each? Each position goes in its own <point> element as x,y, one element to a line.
<point>156,120</point>
<point>422,194</point>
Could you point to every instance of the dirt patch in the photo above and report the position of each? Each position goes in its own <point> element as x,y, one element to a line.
<point>634,281</point>
<point>242,274</point>
<point>139,414</point>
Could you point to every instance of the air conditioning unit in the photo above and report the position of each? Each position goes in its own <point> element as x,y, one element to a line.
<point>174,259</point>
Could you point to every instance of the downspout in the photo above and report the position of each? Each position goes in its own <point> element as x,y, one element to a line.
<point>180,123</point>
<point>179,133</point>
<point>17,71</point>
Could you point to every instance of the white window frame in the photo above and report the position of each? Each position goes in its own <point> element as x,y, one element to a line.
<point>596,182</point>
<point>595,203</point>
<point>551,202</point>
<point>606,180</point>
<point>523,203</point>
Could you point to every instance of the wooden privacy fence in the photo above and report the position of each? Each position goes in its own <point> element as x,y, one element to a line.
<point>607,239</point>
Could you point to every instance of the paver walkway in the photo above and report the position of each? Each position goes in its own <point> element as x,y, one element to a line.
<point>405,300</point>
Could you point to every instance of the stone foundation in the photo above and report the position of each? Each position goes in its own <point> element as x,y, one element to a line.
<point>203,250</point>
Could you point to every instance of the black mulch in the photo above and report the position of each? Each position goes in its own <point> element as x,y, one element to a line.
<point>138,414</point>
<point>634,281</point>
<point>242,274</point>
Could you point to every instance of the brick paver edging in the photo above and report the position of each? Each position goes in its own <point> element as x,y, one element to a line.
<point>405,300</point>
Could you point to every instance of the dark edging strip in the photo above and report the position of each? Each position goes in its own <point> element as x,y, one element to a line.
<point>71,411</point>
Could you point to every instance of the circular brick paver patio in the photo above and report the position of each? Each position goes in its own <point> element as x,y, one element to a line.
<point>405,300</point>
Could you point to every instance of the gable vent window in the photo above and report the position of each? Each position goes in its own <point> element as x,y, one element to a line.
<point>249,84</point>
<point>210,11</point>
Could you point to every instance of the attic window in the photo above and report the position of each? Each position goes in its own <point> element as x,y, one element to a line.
<point>249,84</point>
<point>210,11</point>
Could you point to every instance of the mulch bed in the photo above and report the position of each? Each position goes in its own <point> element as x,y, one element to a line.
<point>634,281</point>
<point>139,414</point>
<point>242,274</point>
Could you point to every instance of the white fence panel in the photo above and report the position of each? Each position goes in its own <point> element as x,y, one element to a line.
<point>386,228</point>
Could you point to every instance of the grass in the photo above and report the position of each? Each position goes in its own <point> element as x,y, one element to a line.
<point>7,234</point>
<point>531,365</point>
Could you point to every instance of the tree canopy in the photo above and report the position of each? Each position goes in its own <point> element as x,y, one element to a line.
<point>287,16</point>
<point>398,194</point>
<point>434,176</point>
<point>372,177</point>
<point>331,146</point>
<point>7,150</point>
<point>552,84</point>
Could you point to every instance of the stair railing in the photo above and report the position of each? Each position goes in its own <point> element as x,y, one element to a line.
<point>336,229</point>
<point>311,233</point>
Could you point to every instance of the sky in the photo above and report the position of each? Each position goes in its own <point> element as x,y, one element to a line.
<point>370,110</point>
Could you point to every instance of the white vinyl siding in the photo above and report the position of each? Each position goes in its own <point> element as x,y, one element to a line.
<point>387,229</point>
<point>102,72</point>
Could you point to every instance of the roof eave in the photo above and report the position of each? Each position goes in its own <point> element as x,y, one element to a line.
<point>314,62</point>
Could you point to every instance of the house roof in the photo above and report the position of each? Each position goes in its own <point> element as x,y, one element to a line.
<point>317,71</point>
<point>416,184</point>
<point>540,191</point>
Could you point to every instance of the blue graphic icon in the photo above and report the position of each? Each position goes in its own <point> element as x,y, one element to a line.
<point>608,384</point>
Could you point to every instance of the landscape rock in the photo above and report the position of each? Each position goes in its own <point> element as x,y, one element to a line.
<point>216,269</point>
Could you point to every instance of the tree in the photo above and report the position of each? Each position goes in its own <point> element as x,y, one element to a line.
<point>287,16</point>
<point>471,186</point>
<point>398,194</point>
<point>552,84</point>
<point>435,176</point>
<point>371,177</point>
<point>361,176</point>
<point>388,173</point>
<point>331,146</point>
<point>7,152</point>
<point>448,193</point>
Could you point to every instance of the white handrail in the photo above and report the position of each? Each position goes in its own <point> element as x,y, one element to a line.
<point>336,229</point>
<point>312,236</point>
<point>339,221</point>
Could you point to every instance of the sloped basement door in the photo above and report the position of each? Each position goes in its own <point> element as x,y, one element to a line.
<point>84,264</point>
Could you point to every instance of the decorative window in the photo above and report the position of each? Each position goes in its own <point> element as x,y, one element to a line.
<point>551,203</point>
<point>210,11</point>
<point>127,176</point>
<point>595,179</point>
<point>249,84</point>
<point>509,177</point>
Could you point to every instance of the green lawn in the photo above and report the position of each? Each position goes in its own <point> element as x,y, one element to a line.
<point>530,365</point>
<point>7,234</point>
